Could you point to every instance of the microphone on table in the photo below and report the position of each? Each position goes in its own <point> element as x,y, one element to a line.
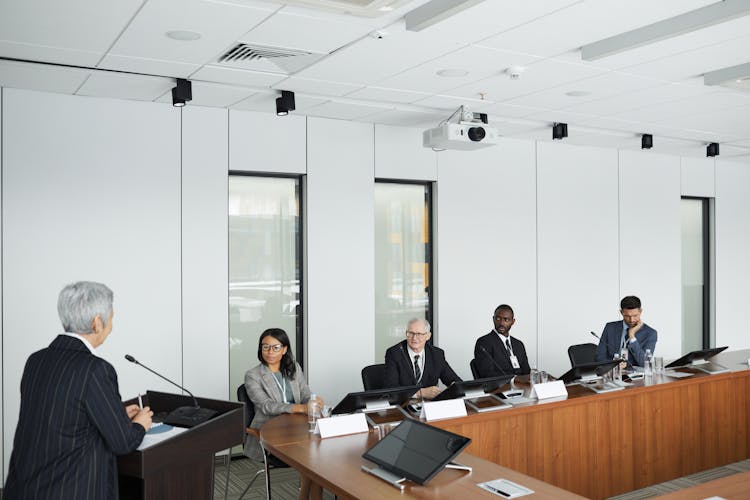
<point>595,335</point>
<point>184,416</point>
<point>509,393</point>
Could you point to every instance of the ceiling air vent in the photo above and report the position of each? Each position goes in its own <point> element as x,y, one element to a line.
<point>265,58</point>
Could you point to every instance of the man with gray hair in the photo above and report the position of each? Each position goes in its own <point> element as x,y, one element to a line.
<point>72,422</point>
<point>415,362</point>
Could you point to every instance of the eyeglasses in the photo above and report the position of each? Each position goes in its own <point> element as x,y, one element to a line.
<point>419,335</point>
<point>269,347</point>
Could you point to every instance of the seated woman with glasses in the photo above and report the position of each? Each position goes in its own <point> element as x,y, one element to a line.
<point>415,362</point>
<point>277,385</point>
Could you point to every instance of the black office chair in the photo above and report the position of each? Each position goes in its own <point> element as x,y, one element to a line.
<point>373,377</point>
<point>474,369</point>
<point>269,461</point>
<point>582,353</point>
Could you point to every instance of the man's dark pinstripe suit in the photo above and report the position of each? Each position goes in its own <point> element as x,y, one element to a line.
<point>71,426</point>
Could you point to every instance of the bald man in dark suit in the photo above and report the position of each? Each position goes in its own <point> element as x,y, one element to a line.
<point>72,422</point>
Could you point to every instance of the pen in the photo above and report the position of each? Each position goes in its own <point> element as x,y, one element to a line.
<point>495,490</point>
<point>140,402</point>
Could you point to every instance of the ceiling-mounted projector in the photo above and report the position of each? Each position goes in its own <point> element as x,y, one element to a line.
<point>469,131</point>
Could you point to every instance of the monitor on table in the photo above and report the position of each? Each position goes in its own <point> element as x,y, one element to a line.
<point>588,371</point>
<point>375,399</point>
<point>699,355</point>
<point>473,388</point>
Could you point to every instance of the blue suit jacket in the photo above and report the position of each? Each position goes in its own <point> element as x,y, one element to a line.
<point>399,370</point>
<point>609,343</point>
<point>71,426</point>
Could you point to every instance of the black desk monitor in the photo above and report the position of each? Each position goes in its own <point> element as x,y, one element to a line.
<point>473,388</point>
<point>378,398</point>
<point>416,451</point>
<point>700,355</point>
<point>588,370</point>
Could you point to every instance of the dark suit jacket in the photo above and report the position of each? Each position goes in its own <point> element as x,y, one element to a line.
<point>496,349</point>
<point>609,343</point>
<point>71,426</point>
<point>399,370</point>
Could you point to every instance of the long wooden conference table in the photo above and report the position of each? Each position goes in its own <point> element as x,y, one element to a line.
<point>595,445</point>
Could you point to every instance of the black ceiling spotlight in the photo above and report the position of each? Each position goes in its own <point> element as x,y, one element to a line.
<point>285,103</point>
<point>182,92</point>
<point>712,149</point>
<point>559,130</point>
<point>647,141</point>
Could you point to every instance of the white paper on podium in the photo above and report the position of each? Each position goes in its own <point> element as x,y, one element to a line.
<point>340,425</point>
<point>156,438</point>
<point>546,390</point>
<point>450,408</point>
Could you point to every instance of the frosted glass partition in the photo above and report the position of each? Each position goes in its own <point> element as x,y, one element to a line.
<point>693,265</point>
<point>264,266</point>
<point>402,260</point>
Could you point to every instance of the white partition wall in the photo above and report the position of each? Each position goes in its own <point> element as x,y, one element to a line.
<point>486,246</point>
<point>205,327</point>
<point>732,251</point>
<point>340,221</point>
<point>2,351</point>
<point>697,177</point>
<point>399,154</point>
<point>264,142</point>
<point>578,247</point>
<point>90,192</point>
<point>650,242</point>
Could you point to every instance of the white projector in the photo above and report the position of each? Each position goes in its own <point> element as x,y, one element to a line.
<point>466,136</point>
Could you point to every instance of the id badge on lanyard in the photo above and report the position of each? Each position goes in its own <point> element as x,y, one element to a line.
<point>514,362</point>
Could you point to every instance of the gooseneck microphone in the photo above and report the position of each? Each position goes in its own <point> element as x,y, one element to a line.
<point>481,348</point>
<point>184,416</point>
<point>595,335</point>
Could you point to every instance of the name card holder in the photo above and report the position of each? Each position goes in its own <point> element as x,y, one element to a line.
<point>548,390</point>
<point>450,408</point>
<point>341,425</point>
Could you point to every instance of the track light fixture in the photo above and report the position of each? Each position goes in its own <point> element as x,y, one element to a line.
<point>559,130</point>
<point>182,92</point>
<point>712,149</point>
<point>285,103</point>
<point>647,141</point>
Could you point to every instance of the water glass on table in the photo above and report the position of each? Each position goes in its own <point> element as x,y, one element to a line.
<point>313,412</point>
<point>658,365</point>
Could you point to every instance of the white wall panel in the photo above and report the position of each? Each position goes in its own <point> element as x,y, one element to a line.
<point>732,250</point>
<point>399,154</point>
<point>205,330</point>
<point>697,177</point>
<point>578,247</point>
<point>91,192</point>
<point>264,142</point>
<point>2,351</point>
<point>486,246</point>
<point>340,298</point>
<point>650,243</point>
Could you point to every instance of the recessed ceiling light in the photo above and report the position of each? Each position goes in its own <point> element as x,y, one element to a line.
<point>183,36</point>
<point>578,93</point>
<point>385,8</point>
<point>452,73</point>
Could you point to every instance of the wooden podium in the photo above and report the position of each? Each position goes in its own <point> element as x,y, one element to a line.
<point>181,467</point>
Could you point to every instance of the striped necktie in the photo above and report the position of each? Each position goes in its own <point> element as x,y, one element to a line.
<point>417,370</point>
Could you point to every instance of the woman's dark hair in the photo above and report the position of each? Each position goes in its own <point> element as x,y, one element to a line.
<point>288,366</point>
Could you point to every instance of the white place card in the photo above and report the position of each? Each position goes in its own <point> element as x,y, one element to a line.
<point>546,390</point>
<point>450,408</point>
<point>341,424</point>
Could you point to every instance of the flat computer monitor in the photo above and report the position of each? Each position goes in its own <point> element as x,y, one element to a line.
<point>375,399</point>
<point>588,370</point>
<point>416,451</point>
<point>473,388</point>
<point>700,355</point>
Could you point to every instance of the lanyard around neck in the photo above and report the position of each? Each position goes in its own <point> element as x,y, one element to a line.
<point>281,385</point>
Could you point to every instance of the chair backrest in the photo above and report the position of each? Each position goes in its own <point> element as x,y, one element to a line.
<point>582,353</point>
<point>373,377</point>
<point>242,397</point>
<point>474,370</point>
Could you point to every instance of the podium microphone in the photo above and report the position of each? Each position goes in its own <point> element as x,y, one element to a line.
<point>184,416</point>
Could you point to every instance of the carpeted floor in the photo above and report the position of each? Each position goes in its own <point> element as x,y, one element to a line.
<point>284,482</point>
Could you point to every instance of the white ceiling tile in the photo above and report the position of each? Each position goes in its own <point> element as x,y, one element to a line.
<point>305,32</point>
<point>383,94</point>
<point>450,103</point>
<point>219,24</point>
<point>638,99</point>
<point>404,118</point>
<point>234,76</point>
<point>121,86</point>
<point>478,62</point>
<point>745,143</point>
<point>706,102</point>
<point>342,110</point>
<point>502,110</point>
<point>560,115</point>
<point>41,77</point>
<point>369,60</point>
<point>212,94</point>
<point>148,66</point>
<point>310,86</point>
<point>72,32</point>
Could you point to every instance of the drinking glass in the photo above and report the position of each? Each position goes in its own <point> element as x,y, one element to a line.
<point>543,377</point>
<point>658,365</point>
